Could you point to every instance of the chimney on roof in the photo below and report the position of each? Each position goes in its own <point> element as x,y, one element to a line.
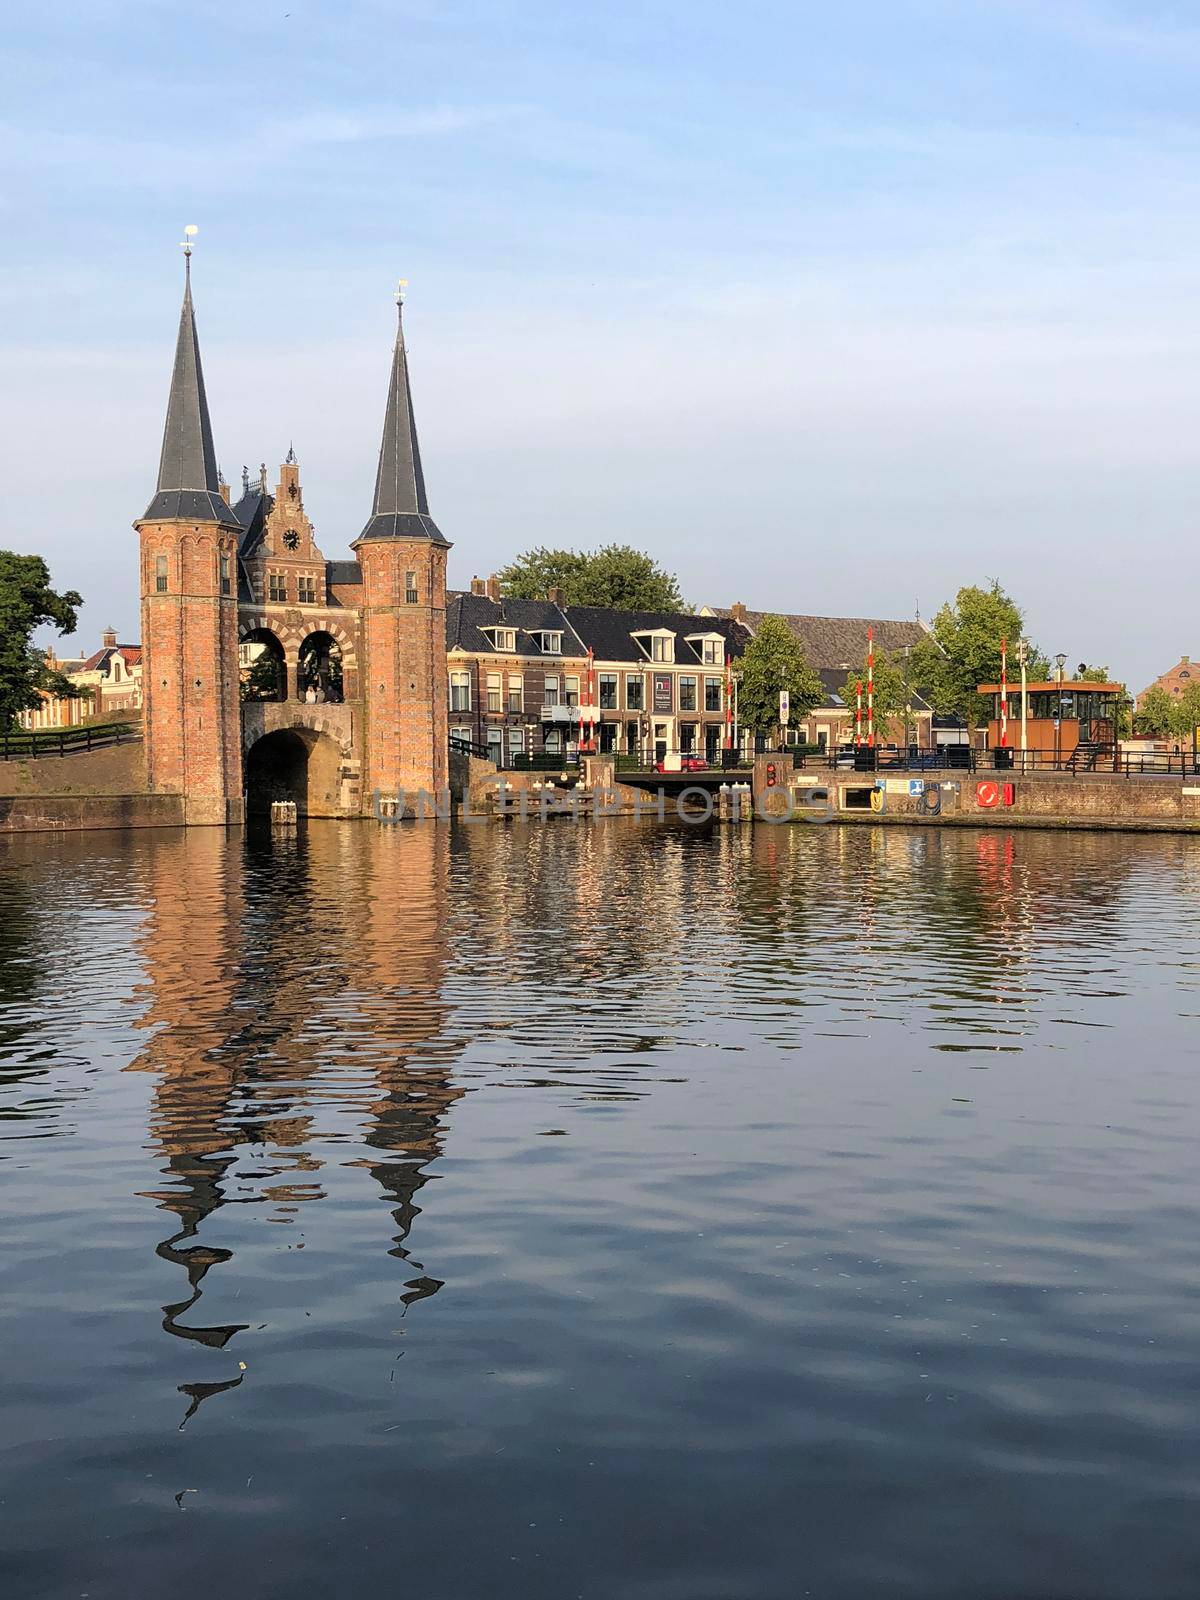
<point>493,587</point>
<point>478,586</point>
<point>738,612</point>
<point>1186,661</point>
<point>556,596</point>
<point>109,638</point>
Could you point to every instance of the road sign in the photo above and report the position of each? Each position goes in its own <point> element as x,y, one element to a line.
<point>785,708</point>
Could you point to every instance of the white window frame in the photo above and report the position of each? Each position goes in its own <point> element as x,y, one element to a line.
<point>460,680</point>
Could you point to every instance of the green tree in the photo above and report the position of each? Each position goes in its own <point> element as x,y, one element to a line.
<point>28,602</point>
<point>1156,714</point>
<point>963,651</point>
<point>614,575</point>
<point>889,689</point>
<point>774,659</point>
<point>1186,710</point>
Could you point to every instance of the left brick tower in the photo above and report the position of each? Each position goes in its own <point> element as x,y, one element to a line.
<point>189,540</point>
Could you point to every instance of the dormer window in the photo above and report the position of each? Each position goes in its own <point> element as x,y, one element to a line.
<point>657,643</point>
<point>502,638</point>
<point>550,644</point>
<point>710,647</point>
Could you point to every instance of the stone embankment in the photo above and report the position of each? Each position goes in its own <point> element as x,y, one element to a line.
<point>953,798</point>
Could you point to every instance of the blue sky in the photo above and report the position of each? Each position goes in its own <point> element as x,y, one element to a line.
<point>831,308</point>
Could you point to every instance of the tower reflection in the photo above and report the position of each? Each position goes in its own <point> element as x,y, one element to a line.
<point>293,995</point>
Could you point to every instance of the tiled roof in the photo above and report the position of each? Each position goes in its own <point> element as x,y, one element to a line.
<point>98,661</point>
<point>251,512</point>
<point>188,484</point>
<point>466,614</point>
<point>341,572</point>
<point>839,642</point>
<point>610,632</point>
<point>400,509</point>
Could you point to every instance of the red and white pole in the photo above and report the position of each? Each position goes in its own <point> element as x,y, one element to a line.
<point>1004,694</point>
<point>871,687</point>
<point>728,701</point>
<point>591,687</point>
<point>858,713</point>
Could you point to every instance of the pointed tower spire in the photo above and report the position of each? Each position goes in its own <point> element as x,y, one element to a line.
<point>188,483</point>
<point>400,510</point>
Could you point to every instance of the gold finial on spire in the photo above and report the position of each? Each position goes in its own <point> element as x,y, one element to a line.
<point>400,288</point>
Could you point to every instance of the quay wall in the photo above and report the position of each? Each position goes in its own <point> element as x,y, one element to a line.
<point>991,800</point>
<point>65,813</point>
<point>91,789</point>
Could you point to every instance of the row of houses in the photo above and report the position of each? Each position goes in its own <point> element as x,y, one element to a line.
<point>109,681</point>
<point>533,677</point>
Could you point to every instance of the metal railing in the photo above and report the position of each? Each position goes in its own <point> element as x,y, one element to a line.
<point>675,762</point>
<point>1083,761</point>
<point>541,761</point>
<point>20,745</point>
<point>470,747</point>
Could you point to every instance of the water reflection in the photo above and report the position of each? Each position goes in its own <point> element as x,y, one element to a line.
<point>301,976</point>
<point>776,1203</point>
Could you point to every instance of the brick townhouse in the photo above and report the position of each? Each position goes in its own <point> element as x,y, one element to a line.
<point>519,674</point>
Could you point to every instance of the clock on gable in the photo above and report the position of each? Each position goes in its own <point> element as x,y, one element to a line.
<point>291,539</point>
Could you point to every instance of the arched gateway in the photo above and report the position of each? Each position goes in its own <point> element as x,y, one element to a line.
<point>295,764</point>
<point>268,671</point>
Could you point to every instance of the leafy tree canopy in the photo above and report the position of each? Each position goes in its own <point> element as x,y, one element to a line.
<point>28,602</point>
<point>1168,716</point>
<point>774,659</point>
<point>964,650</point>
<point>1156,714</point>
<point>614,575</point>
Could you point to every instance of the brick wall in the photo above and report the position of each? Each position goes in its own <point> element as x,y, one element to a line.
<point>404,673</point>
<point>190,668</point>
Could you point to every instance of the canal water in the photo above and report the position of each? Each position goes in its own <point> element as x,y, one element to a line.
<point>606,1210</point>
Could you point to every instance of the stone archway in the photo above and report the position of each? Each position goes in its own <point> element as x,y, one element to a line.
<point>295,763</point>
<point>262,667</point>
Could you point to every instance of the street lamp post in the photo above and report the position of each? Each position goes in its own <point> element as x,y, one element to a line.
<point>1061,660</point>
<point>1023,653</point>
<point>907,704</point>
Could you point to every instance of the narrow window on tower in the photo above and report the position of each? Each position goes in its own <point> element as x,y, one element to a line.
<point>160,574</point>
<point>225,581</point>
<point>410,588</point>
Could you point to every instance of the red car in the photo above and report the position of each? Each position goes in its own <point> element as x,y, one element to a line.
<point>687,763</point>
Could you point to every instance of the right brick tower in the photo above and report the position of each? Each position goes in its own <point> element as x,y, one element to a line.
<point>402,553</point>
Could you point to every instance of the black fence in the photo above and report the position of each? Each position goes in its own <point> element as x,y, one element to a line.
<point>541,761</point>
<point>19,745</point>
<point>1081,761</point>
<point>674,762</point>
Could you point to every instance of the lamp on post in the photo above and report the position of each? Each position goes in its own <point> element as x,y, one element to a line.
<point>907,704</point>
<point>1061,661</point>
